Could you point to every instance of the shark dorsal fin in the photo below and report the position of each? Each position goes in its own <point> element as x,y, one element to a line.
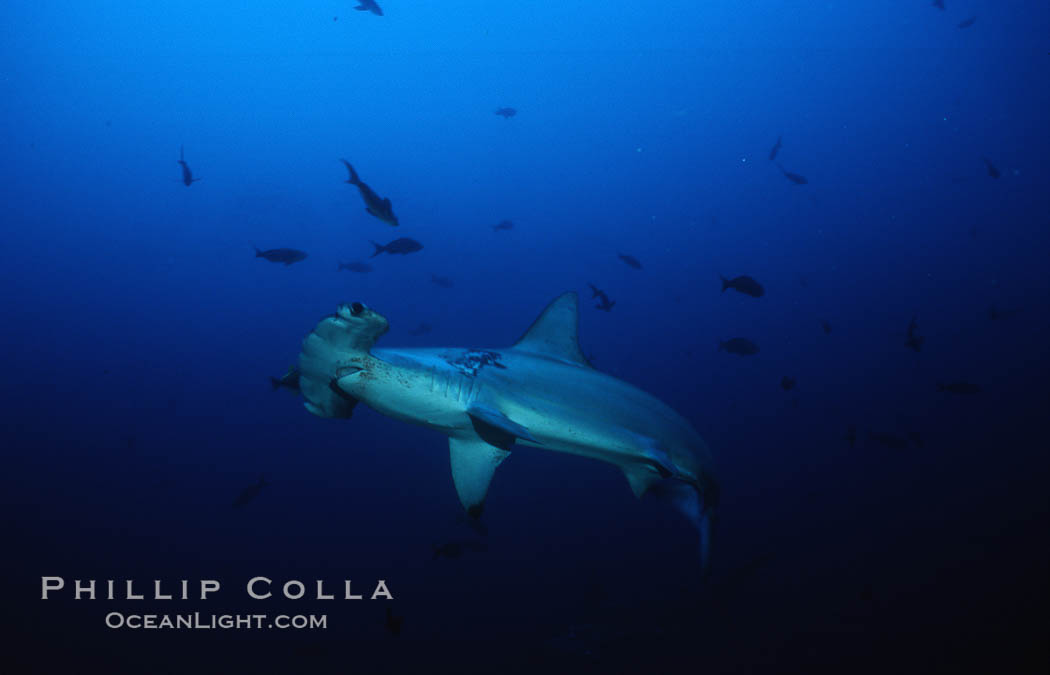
<point>555,333</point>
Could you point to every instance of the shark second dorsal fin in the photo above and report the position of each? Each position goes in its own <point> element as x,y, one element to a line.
<point>555,333</point>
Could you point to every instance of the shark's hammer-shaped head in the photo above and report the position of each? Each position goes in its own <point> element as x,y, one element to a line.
<point>338,349</point>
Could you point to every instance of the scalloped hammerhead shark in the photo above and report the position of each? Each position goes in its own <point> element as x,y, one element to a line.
<point>541,392</point>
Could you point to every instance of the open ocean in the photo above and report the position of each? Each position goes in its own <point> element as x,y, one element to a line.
<point>871,180</point>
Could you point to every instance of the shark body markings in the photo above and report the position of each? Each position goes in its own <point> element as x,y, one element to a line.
<point>540,393</point>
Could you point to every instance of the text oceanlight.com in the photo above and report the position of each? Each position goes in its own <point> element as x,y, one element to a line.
<point>199,621</point>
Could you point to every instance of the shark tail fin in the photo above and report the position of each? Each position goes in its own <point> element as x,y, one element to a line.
<point>379,249</point>
<point>258,251</point>
<point>182,157</point>
<point>689,501</point>
<point>725,283</point>
<point>275,383</point>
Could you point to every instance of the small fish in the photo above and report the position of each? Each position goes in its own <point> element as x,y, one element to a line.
<point>380,208</point>
<point>393,623</point>
<point>966,23</point>
<point>473,522</point>
<point>992,171</point>
<point>422,329</point>
<point>959,387</point>
<point>995,313</point>
<point>889,440</point>
<point>369,6</point>
<point>939,4</point>
<point>914,340</point>
<point>187,175</point>
<point>916,438</point>
<point>826,326</point>
<point>506,113</point>
<point>775,150</point>
<point>249,493</point>
<point>851,435</point>
<point>787,383</point>
<point>281,255</point>
<point>630,260</point>
<point>359,267</point>
<point>604,304</point>
<point>795,178</point>
<point>739,346</point>
<point>745,285</point>
<point>443,282</point>
<point>289,380</point>
<point>454,549</point>
<point>401,246</point>
<point>503,225</point>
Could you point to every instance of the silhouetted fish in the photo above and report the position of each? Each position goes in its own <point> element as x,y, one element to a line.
<point>604,304</point>
<point>380,208</point>
<point>506,113</point>
<point>422,329</point>
<point>994,313</point>
<point>992,171</point>
<point>401,246</point>
<point>630,260</point>
<point>959,387</point>
<point>787,383</point>
<point>281,255</point>
<point>795,178</point>
<point>473,522</point>
<point>369,6</point>
<point>289,380</point>
<point>454,549</point>
<point>359,267</point>
<point>914,340</point>
<point>739,346</point>
<point>775,150</point>
<point>744,284</point>
<point>503,225</point>
<point>939,4</point>
<point>251,492</point>
<point>889,440</point>
<point>393,623</point>
<point>916,438</point>
<point>966,23</point>
<point>826,326</point>
<point>443,282</point>
<point>851,435</point>
<point>187,175</point>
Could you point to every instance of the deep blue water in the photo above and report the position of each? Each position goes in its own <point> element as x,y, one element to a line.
<point>140,329</point>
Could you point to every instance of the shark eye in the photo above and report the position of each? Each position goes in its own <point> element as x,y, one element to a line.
<point>356,308</point>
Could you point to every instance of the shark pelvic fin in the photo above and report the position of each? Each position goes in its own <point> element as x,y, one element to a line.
<point>555,334</point>
<point>641,478</point>
<point>490,416</point>
<point>474,461</point>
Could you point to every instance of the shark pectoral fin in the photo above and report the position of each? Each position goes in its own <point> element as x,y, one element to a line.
<point>473,463</point>
<point>488,415</point>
